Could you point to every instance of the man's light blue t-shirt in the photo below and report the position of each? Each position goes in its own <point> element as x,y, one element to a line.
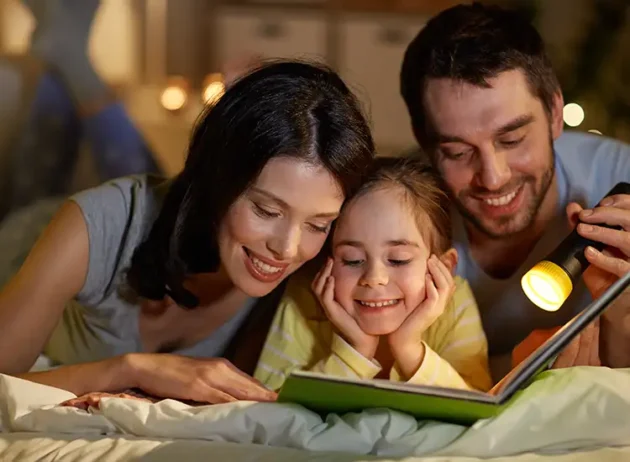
<point>587,168</point>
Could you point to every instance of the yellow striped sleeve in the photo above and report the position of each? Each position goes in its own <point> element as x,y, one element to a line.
<point>457,353</point>
<point>301,337</point>
<point>344,360</point>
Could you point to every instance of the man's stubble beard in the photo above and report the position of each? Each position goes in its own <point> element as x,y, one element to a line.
<point>532,212</point>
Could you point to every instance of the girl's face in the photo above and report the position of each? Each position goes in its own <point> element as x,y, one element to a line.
<point>380,261</point>
<point>278,224</point>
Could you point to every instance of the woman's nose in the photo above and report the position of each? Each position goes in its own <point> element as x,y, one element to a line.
<point>285,244</point>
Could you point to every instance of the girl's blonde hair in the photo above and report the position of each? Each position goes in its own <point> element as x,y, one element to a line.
<point>422,188</point>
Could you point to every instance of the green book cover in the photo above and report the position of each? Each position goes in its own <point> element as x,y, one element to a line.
<point>328,394</point>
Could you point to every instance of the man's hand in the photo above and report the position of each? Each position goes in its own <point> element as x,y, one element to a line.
<point>583,349</point>
<point>606,268</point>
<point>614,261</point>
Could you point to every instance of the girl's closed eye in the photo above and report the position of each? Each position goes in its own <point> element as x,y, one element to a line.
<point>349,262</point>
<point>400,258</point>
<point>350,257</point>
<point>400,262</point>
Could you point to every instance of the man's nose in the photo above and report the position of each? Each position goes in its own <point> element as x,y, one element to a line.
<point>494,170</point>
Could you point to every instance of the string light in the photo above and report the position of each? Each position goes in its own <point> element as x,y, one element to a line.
<point>175,94</point>
<point>573,114</point>
<point>213,88</point>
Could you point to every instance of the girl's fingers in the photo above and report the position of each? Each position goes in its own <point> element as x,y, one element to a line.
<point>432,291</point>
<point>440,274</point>
<point>320,280</point>
<point>328,296</point>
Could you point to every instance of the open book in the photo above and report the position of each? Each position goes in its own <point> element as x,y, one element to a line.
<point>325,394</point>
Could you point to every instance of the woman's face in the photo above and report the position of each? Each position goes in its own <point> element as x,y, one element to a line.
<point>278,224</point>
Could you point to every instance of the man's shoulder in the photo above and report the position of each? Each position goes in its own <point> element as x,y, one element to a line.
<point>586,150</point>
<point>591,165</point>
<point>581,144</point>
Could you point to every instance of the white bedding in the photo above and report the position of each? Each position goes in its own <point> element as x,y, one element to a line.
<point>26,447</point>
<point>580,409</point>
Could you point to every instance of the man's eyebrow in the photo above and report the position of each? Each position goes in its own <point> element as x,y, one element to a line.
<point>515,124</point>
<point>512,125</point>
<point>449,139</point>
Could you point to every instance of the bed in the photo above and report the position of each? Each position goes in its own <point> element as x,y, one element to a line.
<point>573,414</point>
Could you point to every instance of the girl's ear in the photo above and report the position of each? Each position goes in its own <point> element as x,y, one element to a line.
<point>450,258</point>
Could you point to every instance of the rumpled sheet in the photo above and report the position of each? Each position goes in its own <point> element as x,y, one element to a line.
<point>565,410</point>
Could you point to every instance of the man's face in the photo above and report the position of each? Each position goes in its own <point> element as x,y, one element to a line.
<point>494,149</point>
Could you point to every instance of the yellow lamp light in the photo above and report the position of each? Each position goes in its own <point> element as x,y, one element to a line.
<point>549,283</point>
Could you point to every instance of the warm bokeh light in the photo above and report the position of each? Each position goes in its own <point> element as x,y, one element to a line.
<point>175,94</point>
<point>173,98</point>
<point>573,114</point>
<point>213,88</point>
<point>596,132</point>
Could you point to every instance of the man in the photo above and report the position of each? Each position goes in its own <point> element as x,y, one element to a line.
<point>486,106</point>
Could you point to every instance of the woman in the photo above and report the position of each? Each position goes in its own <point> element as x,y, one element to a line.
<point>138,267</point>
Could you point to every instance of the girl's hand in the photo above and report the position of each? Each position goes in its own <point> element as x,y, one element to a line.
<point>209,381</point>
<point>324,288</point>
<point>406,343</point>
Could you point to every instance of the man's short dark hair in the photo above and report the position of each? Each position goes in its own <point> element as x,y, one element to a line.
<point>473,43</point>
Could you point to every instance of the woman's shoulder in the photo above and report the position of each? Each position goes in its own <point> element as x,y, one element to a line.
<point>118,215</point>
<point>121,195</point>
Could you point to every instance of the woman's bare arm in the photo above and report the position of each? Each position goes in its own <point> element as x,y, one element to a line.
<point>109,375</point>
<point>32,303</point>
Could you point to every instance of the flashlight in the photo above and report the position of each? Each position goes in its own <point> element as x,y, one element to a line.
<point>550,282</point>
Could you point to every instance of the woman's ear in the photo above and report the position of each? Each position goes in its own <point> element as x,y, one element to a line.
<point>450,258</point>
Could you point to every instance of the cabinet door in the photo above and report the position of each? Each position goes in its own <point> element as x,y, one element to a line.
<point>270,33</point>
<point>371,53</point>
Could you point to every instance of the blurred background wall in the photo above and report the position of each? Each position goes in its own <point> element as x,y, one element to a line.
<point>161,55</point>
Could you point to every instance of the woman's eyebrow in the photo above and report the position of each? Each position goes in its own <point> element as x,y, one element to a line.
<point>286,206</point>
<point>271,196</point>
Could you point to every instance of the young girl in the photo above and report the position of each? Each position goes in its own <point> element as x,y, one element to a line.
<point>388,304</point>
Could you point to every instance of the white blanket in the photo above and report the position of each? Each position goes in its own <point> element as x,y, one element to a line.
<point>580,408</point>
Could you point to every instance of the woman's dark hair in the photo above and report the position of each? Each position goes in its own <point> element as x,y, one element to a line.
<point>473,43</point>
<point>423,192</point>
<point>283,108</point>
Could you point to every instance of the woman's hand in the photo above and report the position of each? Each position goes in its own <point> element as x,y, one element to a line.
<point>94,399</point>
<point>212,380</point>
<point>324,288</point>
<point>406,342</point>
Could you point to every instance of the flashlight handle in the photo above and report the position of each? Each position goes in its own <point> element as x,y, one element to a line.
<point>570,253</point>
